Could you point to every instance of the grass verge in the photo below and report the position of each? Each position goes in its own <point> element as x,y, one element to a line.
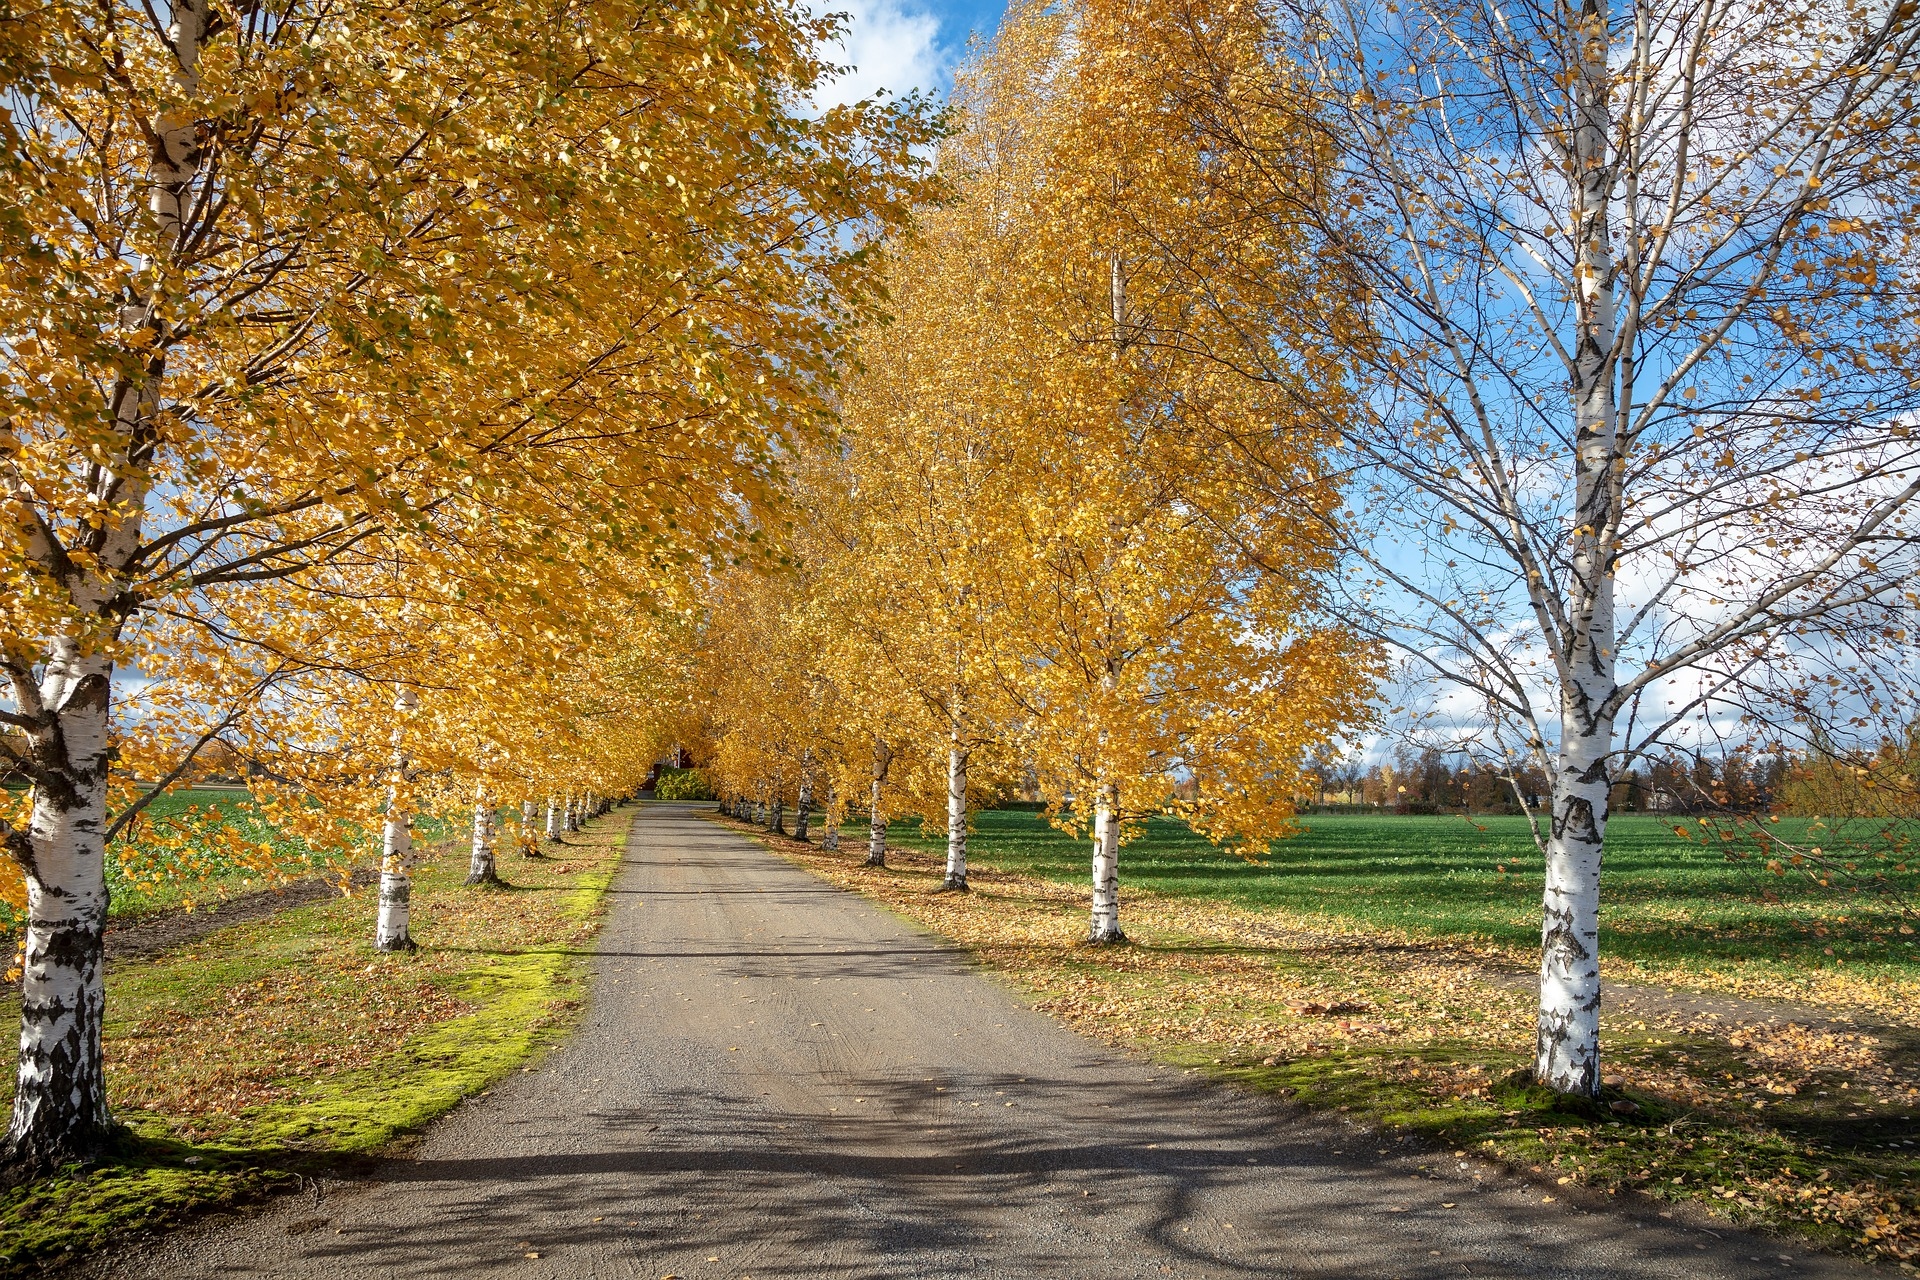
<point>284,1049</point>
<point>1797,1124</point>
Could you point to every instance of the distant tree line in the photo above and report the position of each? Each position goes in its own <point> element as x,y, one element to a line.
<point>1432,781</point>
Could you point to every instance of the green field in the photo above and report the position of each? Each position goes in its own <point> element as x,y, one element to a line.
<point>151,880</point>
<point>148,878</point>
<point>1667,903</point>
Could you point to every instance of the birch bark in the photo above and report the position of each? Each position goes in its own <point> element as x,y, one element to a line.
<point>60,1103</point>
<point>830,837</point>
<point>392,931</point>
<point>876,824</point>
<point>803,806</point>
<point>956,880</point>
<point>480,865</point>
<point>553,819</point>
<point>1568,1051</point>
<point>1105,925</point>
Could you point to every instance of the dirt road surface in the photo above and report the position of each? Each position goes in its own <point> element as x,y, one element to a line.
<point>777,1080</point>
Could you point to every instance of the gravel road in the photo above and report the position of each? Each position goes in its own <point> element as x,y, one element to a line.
<point>775,1079</point>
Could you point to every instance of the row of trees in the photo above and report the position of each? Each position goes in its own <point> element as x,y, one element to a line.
<point>1559,357</point>
<point>377,379</point>
<point>1060,539</point>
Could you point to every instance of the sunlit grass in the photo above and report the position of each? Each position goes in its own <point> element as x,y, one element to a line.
<point>1667,903</point>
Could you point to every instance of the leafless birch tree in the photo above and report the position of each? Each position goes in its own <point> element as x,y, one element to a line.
<point>1635,441</point>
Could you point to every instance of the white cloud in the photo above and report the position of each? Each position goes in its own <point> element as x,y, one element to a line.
<point>890,45</point>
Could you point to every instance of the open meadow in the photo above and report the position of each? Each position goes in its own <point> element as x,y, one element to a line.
<point>1675,910</point>
<point>145,875</point>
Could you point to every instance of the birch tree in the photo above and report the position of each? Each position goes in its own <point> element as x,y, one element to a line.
<point>482,866</point>
<point>876,815</point>
<point>394,929</point>
<point>1636,445</point>
<point>912,513</point>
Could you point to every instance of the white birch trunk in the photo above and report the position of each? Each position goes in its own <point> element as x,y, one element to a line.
<point>526,826</point>
<point>830,836</point>
<point>1105,925</point>
<point>1568,1051</point>
<point>60,1099</point>
<point>956,879</point>
<point>876,830</point>
<point>803,806</point>
<point>480,864</point>
<point>392,932</point>
<point>876,824</point>
<point>59,1107</point>
<point>777,824</point>
<point>553,818</point>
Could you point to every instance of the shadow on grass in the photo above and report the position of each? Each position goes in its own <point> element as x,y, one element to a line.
<point>85,1205</point>
<point>1626,1139</point>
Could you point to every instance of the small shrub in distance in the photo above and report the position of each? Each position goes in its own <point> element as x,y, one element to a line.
<point>682,784</point>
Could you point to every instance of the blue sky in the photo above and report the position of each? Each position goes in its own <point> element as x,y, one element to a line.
<point>908,44</point>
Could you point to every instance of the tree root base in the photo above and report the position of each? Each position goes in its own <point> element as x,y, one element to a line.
<point>1113,939</point>
<point>402,946</point>
<point>955,886</point>
<point>1610,1103</point>
<point>25,1162</point>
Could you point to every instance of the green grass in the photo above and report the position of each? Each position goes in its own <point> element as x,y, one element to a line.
<point>1667,903</point>
<point>144,875</point>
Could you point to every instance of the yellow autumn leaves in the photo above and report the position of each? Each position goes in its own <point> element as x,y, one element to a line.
<point>360,347</point>
<point>465,332</point>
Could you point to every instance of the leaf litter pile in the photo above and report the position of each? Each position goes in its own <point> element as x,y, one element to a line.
<point>1792,1117</point>
<point>283,1048</point>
